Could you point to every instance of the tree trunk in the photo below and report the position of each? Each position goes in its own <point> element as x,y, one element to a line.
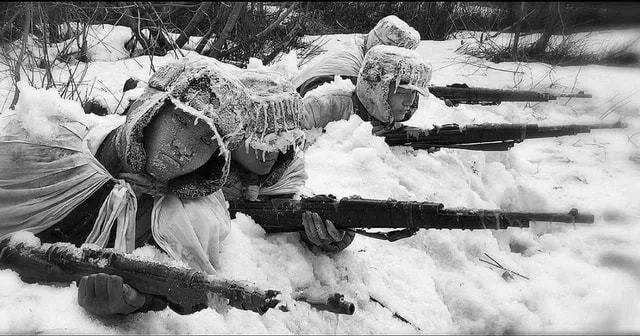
<point>205,38</point>
<point>516,33</point>
<point>200,14</point>
<point>228,27</point>
<point>553,14</point>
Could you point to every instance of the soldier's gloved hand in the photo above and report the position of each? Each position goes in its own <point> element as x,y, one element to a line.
<point>324,234</point>
<point>104,294</point>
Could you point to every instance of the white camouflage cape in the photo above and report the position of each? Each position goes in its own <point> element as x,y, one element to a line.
<point>47,169</point>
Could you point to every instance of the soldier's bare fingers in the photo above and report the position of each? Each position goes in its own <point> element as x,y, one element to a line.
<point>335,235</point>
<point>306,222</point>
<point>310,228</point>
<point>320,226</point>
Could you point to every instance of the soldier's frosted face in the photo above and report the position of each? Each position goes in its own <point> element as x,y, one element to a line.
<point>175,145</point>
<point>256,161</point>
<point>400,100</point>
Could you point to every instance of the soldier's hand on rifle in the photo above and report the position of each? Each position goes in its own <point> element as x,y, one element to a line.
<point>324,234</point>
<point>104,294</point>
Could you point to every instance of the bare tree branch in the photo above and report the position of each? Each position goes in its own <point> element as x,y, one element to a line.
<point>264,32</point>
<point>25,36</point>
<point>200,14</point>
<point>276,22</point>
<point>228,27</point>
<point>7,24</point>
<point>516,34</point>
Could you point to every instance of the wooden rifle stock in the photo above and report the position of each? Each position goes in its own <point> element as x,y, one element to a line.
<point>186,290</point>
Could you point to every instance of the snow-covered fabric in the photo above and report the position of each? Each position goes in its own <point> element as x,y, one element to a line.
<point>273,121</point>
<point>386,64</point>
<point>273,124</point>
<point>345,62</point>
<point>391,30</point>
<point>43,178</point>
<point>47,169</point>
<point>195,228</point>
<point>328,102</point>
<point>290,181</point>
<point>287,177</point>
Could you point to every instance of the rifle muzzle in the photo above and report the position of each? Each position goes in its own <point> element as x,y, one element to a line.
<point>335,304</point>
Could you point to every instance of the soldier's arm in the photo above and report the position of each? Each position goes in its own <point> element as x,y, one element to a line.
<point>321,109</point>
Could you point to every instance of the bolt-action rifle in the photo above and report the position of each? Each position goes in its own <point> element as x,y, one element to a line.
<point>186,290</point>
<point>483,137</point>
<point>463,94</point>
<point>355,214</point>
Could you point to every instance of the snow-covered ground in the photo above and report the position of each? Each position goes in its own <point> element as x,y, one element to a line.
<point>582,278</point>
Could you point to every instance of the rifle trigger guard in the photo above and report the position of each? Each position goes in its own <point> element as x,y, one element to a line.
<point>388,236</point>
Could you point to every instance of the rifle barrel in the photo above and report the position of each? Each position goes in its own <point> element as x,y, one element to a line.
<point>484,94</point>
<point>285,215</point>
<point>487,136</point>
<point>462,94</point>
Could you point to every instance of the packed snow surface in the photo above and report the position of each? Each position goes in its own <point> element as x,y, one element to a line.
<point>579,278</point>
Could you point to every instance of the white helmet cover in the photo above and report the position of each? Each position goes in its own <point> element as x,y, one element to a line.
<point>391,30</point>
<point>383,65</point>
<point>275,111</point>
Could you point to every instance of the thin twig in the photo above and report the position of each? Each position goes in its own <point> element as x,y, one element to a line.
<point>25,37</point>
<point>395,314</point>
<point>497,264</point>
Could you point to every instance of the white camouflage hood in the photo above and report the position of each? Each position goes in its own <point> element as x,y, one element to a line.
<point>204,90</point>
<point>383,65</point>
<point>391,30</point>
<point>275,110</point>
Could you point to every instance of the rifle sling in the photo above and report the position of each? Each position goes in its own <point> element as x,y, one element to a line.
<point>388,236</point>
